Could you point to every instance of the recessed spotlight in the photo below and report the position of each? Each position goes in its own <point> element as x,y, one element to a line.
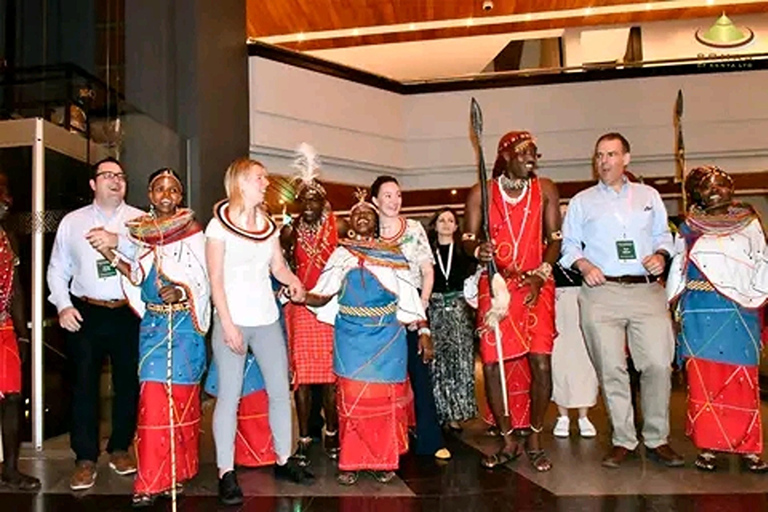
<point>355,32</point>
<point>470,22</point>
<point>301,36</point>
<point>454,192</point>
<point>587,11</point>
<point>412,26</point>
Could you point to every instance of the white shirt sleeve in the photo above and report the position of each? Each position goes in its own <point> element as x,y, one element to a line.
<point>60,268</point>
<point>215,230</point>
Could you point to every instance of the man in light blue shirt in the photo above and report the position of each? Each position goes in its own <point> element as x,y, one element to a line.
<point>87,292</point>
<point>616,234</point>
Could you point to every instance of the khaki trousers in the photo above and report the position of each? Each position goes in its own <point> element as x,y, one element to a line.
<point>616,316</point>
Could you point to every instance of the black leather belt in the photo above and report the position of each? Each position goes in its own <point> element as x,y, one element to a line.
<point>631,279</point>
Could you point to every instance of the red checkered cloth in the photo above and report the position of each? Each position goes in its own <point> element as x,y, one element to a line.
<point>10,362</point>
<point>310,347</point>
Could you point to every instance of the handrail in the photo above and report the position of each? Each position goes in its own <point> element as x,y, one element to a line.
<point>598,66</point>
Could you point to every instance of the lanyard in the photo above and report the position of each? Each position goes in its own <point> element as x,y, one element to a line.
<point>443,270</point>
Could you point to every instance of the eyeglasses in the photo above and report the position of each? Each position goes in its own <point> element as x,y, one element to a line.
<point>109,175</point>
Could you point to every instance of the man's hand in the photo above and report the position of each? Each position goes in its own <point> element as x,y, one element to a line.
<point>485,252</point>
<point>101,239</point>
<point>170,294</point>
<point>592,275</point>
<point>70,319</point>
<point>426,348</point>
<point>233,339</point>
<point>654,264</point>
<point>535,283</point>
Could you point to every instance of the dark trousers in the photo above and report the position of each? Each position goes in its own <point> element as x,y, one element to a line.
<point>103,332</point>
<point>429,437</point>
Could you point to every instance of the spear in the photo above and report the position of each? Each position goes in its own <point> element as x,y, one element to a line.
<point>476,116</point>
<point>680,147</point>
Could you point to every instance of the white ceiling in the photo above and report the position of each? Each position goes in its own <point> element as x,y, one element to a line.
<point>422,60</point>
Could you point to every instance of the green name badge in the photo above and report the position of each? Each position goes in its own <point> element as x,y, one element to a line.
<point>104,269</point>
<point>625,250</point>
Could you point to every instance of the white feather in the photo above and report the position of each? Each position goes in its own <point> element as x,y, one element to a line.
<point>307,163</point>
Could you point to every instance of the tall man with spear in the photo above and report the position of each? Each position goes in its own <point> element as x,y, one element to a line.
<point>516,292</point>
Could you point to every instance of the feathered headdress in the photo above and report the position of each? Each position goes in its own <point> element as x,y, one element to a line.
<point>307,163</point>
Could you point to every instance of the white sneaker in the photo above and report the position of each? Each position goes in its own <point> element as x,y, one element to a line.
<point>586,428</point>
<point>562,427</point>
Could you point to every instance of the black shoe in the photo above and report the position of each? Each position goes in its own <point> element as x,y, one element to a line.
<point>229,491</point>
<point>292,471</point>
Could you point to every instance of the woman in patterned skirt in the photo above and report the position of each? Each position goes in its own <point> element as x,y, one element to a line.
<point>452,324</point>
<point>718,285</point>
<point>167,286</point>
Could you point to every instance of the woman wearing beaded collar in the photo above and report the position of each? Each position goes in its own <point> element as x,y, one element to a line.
<point>410,235</point>
<point>167,287</point>
<point>365,293</point>
<point>717,285</point>
<point>242,250</point>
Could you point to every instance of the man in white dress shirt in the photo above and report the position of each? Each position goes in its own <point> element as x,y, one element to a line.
<point>86,290</point>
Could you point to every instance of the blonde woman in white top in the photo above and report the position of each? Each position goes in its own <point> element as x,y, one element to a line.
<point>410,235</point>
<point>242,250</point>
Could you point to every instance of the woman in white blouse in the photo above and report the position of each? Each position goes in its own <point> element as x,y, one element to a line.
<point>410,235</point>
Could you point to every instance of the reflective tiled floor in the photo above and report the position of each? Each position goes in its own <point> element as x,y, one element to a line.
<point>577,482</point>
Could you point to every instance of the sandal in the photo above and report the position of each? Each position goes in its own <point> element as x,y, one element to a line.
<point>453,426</point>
<point>383,477</point>
<point>142,500</point>
<point>347,477</point>
<point>302,451</point>
<point>167,493</point>
<point>754,463</point>
<point>539,460</point>
<point>706,461</point>
<point>331,444</point>
<point>500,458</point>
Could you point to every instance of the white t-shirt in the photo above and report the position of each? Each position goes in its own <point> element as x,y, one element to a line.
<point>247,284</point>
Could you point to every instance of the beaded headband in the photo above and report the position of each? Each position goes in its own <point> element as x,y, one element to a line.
<point>165,173</point>
<point>518,141</point>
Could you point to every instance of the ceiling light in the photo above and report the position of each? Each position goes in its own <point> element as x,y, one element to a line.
<point>412,26</point>
<point>587,11</point>
<point>470,22</point>
<point>355,32</point>
<point>710,2</point>
<point>301,36</point>
<point>454,192</point>
<point>529,17</point>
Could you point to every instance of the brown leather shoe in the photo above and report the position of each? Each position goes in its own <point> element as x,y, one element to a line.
<point>122,463</point>
<point>664,454</point>
<point>617,455</point>
<point>84,476</point>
